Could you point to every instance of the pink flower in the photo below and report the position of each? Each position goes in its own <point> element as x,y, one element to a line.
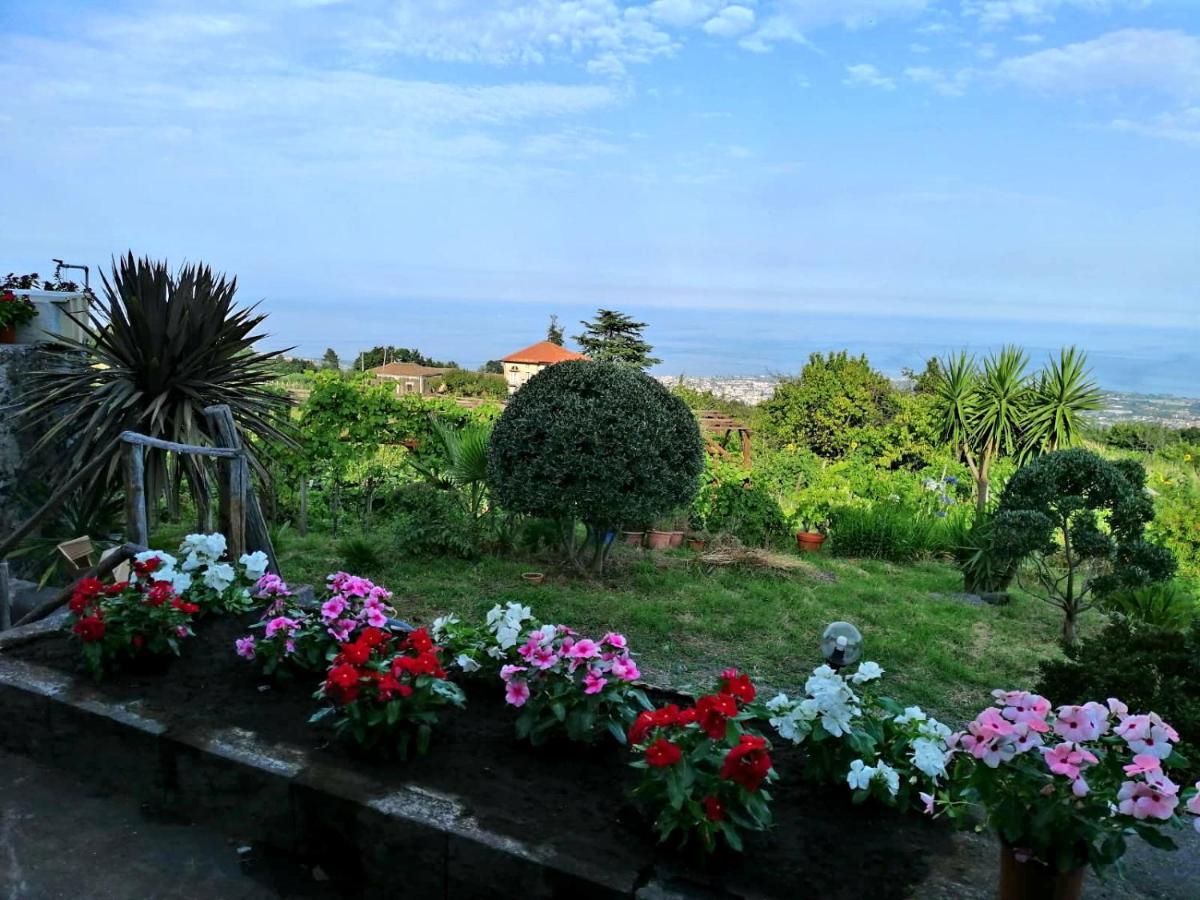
<point>333,607</point>
<point>245,647</point>
<point>516,692</point>
<point>1131,728</point>
<point>614,640</point>
<point>1156,798</point>
<point>281,623</point>
<point>507,672</point>
<point>1026,707</point>
<point>625,668</point>
<point>1080,788</point>
<point>182,631</point>
<point>1156,741</point>
<point>1193,805</point>
<point>289,647</point>
<point>1025,738</point>
<point>375,617</point>
<point>1143,763</point>
<point>1081,723</point>
<point>340,630</point>
<point>1067,759</point>
<point>1117,708</point>
<point>584,648</point>
<point>543,657</point>
<point>594,682</point>
<point>271,585</point>
<point>927,799</point>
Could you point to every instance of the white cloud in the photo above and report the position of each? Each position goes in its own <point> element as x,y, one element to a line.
<point>571,144</point>
<point>790,20</point>
<point>867,74</point>
<point>949,85</point>
<point>1183,126</point>
<point>730,22</point>
<point>1030,38</point>
<point>1001,13</point>
<point>683,13</point>
<point>917,48</point>
<point>1166,62</point>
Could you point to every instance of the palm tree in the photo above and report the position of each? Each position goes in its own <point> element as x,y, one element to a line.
<point>460,462</point>
<point>160,349</point>
<point>1063,392</point>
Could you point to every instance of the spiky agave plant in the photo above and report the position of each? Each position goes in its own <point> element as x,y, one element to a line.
<point>159,349</point>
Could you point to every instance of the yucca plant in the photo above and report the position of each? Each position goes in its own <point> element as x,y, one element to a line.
<point>1063,392</point>
<point>159,349</point>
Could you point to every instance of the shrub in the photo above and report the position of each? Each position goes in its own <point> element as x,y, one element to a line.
<point>359,553</point>
<point>1050,513</point>
<point>597,442</point>
<point>731,502</point>
<point>429,521</point>
<point>1177,524</point>
<point>1164,604</point>
<point>1149,668</point>
<point>296,638</point>
<point>124,623</point>
<point>573,686</point>
<point>703,769</point>
<point>384,691</point>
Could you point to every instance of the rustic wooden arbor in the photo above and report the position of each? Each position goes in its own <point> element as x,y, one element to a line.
<point>714,423</point>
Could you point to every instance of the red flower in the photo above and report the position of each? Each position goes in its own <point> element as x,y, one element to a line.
<point>183,606</point>
<point>90,628</point>
<point>342,684</point>
<point>748,763</point>
<point>738,686</point>
<point>114,589</point>
<point>160,593</point>
<point>137,640</point>
<point>355,654</point>
<point>713,711</point>
<point>662,753</point>
<point>714,809</point>
<point>89,587</point>
<point>389,687</point>
<point>372,637</point>
<point>147,567</point>
<point>78,603</point>
<point>418,640</point>
<point>650,719</point>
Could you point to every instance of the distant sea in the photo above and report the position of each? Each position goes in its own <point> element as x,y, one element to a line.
<point>742,342</point>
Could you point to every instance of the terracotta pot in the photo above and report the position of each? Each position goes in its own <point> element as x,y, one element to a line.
<point>677,538</point>
<point>533,577</point>
<point>8,334</point>
<point>1032,880</point>
<point>697,544</point>
<point>809,541</point>
<point>658,540</point>
<point>633,538</point>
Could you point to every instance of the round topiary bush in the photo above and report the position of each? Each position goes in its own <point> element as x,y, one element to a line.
<point>595,442</point>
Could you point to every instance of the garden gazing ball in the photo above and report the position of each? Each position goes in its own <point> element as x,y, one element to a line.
<point>841,644</point>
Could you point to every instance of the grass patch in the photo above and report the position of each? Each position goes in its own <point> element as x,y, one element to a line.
<point>686,623</point>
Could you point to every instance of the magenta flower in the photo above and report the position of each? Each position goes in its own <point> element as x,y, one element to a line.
<point>1156,798</point>
<point>340,630</point>
<point>927,799</point>
<point>1067,759</point>
<point>245,647</point>
<point>594,682</point>
<point>584,648</point>
<point>271,585</point>
<point>614,640</point>
<point>182,631</point>
<point>1024,706</point>
<point>625,668</point>
<point>543,657</point>
<point>1143,763</point>
<point>516,692</point>
<point>375,617</point>
<point>281,623</point>
<point>333,607</point>
<point>507,672</point>
<point>1025,738</point>
<point>289,647</point>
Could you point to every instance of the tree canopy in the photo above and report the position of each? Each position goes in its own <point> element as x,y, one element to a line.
<point>615,337</point>
<point>378,356</point>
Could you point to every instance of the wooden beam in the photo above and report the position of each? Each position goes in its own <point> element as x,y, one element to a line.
<point>137,528</point>
<point>254,534</point>
<point>102,569</point>
<point>144,440</point>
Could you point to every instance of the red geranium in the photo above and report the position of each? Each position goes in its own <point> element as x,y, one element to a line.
<point>663,753</point>
<point>713,711</point>
<point>159,593</point>
<point>738,686</point>
<point>651,719</point>
<point>418,640</point>
<point>747,764</point>
<point>147,566</point>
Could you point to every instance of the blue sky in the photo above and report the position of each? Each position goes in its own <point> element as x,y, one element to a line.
<point>755,179</point>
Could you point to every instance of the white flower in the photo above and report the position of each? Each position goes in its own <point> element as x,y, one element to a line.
<point>930,757</point>
<point>466,663</point>
<point>890,777</point>
<point>256,564</point>
<point>778,702</point>
<point>867,671</point>
<point>180,582</point>
<point>440,624</point>
<point>934,730</point>
<point>910,714</point>
<point>201,549</point>
<point>860,775</point>
<point>219,576</point>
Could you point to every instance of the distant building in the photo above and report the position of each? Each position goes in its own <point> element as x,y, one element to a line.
<point>519,367</point>
<point>409,378</point>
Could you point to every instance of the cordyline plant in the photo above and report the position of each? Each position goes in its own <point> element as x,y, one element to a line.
<point>159,348</point>
<point>573,686</point>
<point>296,638</point>
<point>119,624</point>
<point>1067,787</point>
<point>703,769</point>
<point>384,691</point>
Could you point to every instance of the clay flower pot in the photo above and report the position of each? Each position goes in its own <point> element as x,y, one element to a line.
<point>809,541</point>
<point>1032,880</point>
<point>533,577</point>
<point>658,540</point>
<point>697,544</point>
<point>677,538</point>
<point>633,538</point>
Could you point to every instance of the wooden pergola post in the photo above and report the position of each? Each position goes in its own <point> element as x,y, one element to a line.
<point>137,526</point>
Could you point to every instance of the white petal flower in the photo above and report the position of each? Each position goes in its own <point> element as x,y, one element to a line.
<point>867,671</point>
<point>255,564</point>
<point>860,775</point>
<point>219,576</point>
<point>889,776</point>
<point>929,757</point>
<point>466,663</point>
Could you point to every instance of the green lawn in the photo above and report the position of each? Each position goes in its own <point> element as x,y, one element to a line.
<point>686,624</point>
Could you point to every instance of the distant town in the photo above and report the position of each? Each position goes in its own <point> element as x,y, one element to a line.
<point>1122,406</point>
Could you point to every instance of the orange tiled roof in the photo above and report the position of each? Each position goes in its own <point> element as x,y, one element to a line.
<point>543,352</point>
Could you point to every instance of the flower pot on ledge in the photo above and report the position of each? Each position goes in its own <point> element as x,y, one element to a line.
<point>633,538</point>
<point>676,538</point>
<point>809,541</point>
<point>658,540</point>
<point>1033,880</point>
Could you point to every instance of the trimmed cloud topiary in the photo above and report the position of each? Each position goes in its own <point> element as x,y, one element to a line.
<point>595,442</point>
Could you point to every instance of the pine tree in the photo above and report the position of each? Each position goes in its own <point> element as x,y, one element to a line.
<point>330,359</point>
<point>554,333</point>
<point>615,337</point>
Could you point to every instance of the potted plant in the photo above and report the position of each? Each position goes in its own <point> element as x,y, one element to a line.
<point>533,577</point>
<point>14,312</point>
<point>810,535</point>
<point>698,540</point>
<point>1063,789</point>
<point>679,524</point>
<point>659,537</point>
<point>634,538</point>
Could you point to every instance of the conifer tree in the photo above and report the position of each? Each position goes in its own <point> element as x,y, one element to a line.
<point>615,337</point>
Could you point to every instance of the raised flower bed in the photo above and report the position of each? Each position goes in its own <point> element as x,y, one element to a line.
<point>480,809</point>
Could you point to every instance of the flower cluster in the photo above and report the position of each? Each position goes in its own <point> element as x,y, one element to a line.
<point>14,310</point>
<point>703,768</point>
<point>130,620</point>
<point>216,586</point>
<point>574,685</point>
<point>480,650</point>
<point>878,747</point>
<point>296,637</point>
<point>383,690</point>
<point>1066,785</point>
